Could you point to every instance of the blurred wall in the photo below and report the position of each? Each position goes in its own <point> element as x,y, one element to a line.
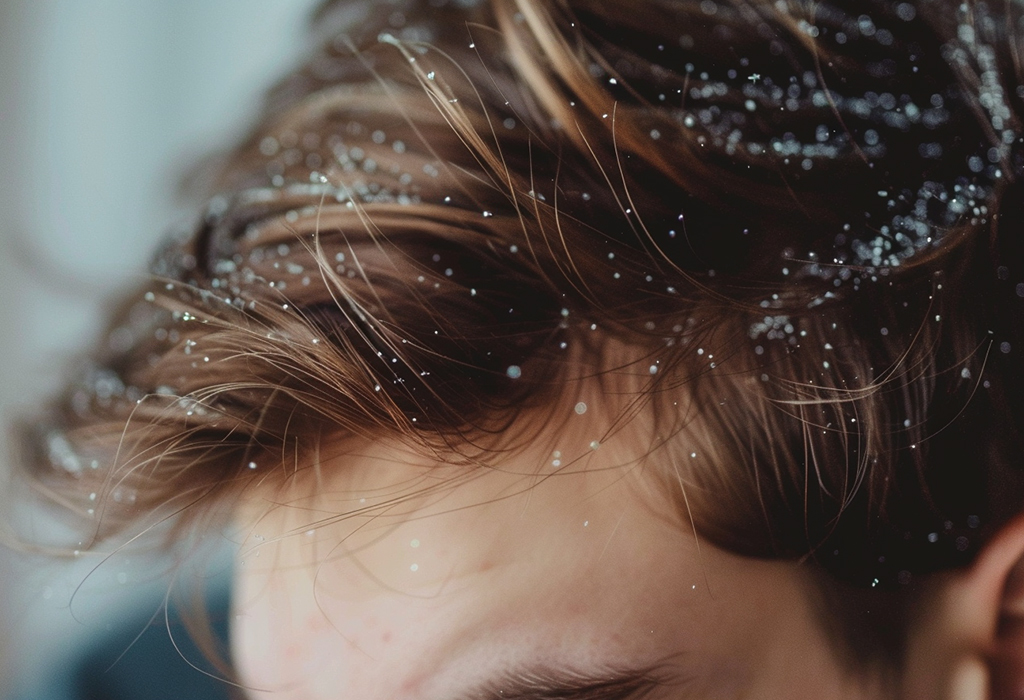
<point>103,105</point>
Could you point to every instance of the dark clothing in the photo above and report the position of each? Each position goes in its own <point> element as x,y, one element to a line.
<point>127,665</point>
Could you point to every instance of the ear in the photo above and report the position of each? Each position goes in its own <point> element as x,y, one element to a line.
<point>968,642</point>
<point>1006,658</point>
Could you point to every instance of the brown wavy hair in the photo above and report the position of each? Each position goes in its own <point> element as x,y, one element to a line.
<point>796,225</point>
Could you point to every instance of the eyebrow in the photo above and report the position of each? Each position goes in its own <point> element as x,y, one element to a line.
<point>550,684</point>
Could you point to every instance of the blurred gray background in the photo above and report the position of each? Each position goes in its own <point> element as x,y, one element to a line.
<point>103,106</point>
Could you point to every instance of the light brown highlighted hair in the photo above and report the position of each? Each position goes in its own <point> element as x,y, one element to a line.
<point>801,220</point>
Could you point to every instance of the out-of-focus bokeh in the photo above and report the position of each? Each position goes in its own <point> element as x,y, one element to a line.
<point>104,105</point>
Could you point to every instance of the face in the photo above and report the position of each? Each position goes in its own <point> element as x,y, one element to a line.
<point>543,576</point>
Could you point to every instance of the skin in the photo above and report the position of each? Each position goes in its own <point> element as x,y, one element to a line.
<point>439,580</point>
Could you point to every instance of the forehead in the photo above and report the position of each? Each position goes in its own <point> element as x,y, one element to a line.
<point>435,567</point>
<point>409,579</point>
<point>397,552</point>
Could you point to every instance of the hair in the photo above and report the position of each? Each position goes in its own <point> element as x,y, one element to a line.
<point>795,225</point>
